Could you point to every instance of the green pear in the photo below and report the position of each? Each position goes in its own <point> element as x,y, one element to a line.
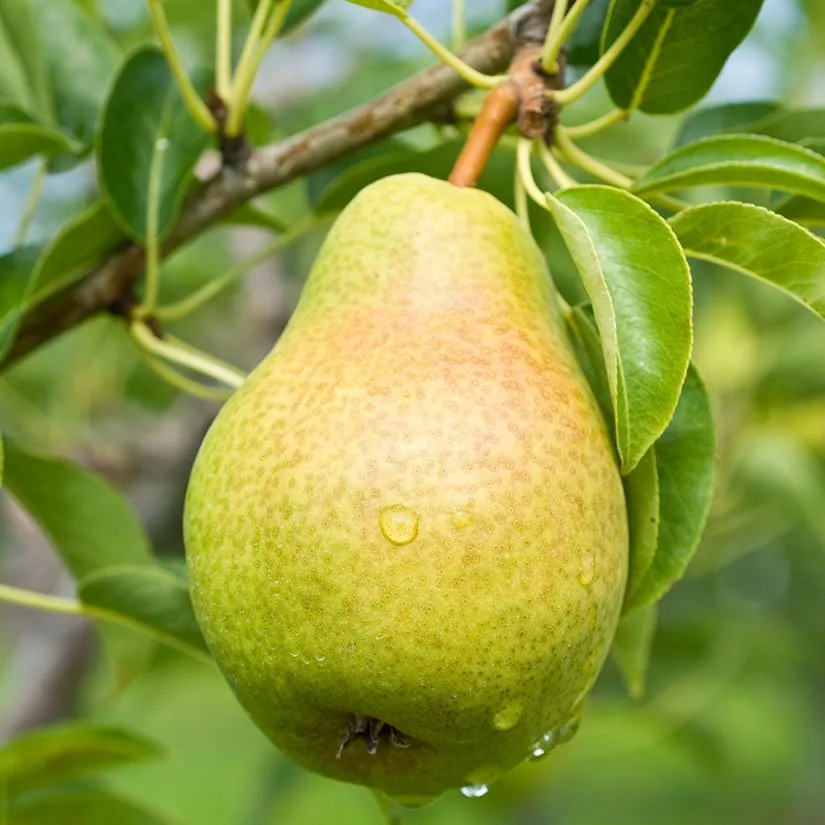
<point>406,532</point>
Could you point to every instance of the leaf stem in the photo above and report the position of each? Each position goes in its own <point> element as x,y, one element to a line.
<point>223,50</point>
<point>607,120</point>
<point>561,27</point>
<point>186,306</point>
<point>524,164</point>
<point>250,47</point>
<point>554,168</point>
<point>459,25</point>
<point>72,607</point>
<point>522,203</point>
<point>598,70</point>
<point>189,358</point>
<point>32,202</point>
<point>468,73</point>
<point>181,382</point>
<point>245,77</point>
<point>191,99</point>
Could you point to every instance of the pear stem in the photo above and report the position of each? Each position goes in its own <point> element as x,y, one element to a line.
<point>500,109</point>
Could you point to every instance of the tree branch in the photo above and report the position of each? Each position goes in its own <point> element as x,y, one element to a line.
<point>409,104</point>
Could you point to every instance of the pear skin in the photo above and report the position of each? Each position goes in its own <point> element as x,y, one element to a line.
<point>406,533</point>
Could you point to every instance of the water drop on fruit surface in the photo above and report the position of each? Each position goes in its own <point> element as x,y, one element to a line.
<point>587,570</point>
<point>474,791</point>
<point>568,730</point>
<point>507,718</point>
<point>399,524</point>
<point>461,519</point>
<point>544,745</point>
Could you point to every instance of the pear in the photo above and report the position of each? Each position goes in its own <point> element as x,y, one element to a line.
<point>406,532</point>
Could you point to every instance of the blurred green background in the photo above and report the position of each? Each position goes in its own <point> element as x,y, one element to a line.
<point>732,729</point>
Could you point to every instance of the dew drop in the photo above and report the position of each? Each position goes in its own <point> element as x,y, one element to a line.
<point>474,791</point>
<point>544,745</point>
<point>587,570</point>
<point>162,144</point>
<point>461,519</point>
<point>399,524</point>
<point>507,718</point>
<point>569,729</point>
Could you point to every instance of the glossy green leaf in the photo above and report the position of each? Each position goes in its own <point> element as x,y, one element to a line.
<point>23,74</point>
<point>300,12</point>
<point>30,274</point>
<point>77,247</point>
<point>739,160</point>
<point>396,7</point>
<point>759,243</point>
<point>153,597</point>
<point>632,648</point>
<point>798,208</point>
<point>22,138</point>
<point>87,520</point>
<point>16,280</point>
<point>81,806</point>
<point>638,281</point>
<point>686,464</point>
<point>674,59</point>
<point>641,489</point>
<point>147,138</point>
<point>81,58</point>
<point>57,754</point>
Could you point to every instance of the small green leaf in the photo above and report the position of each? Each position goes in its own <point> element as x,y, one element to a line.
<point>639,283</point>
<point>686,464</point>
<point>154,597</point>
<point>146,134</point>
<point>29,274</point>
<point>588,348</point>
<point>674,59</point>
<point>89,523</point>
<point>81,806</point>
<point>759,243</point>
<point>641,489</point>
<point>396,7</point>
<point>57,754</point>
<point>16,270</point>
<point>23,75</point>
<point>632,648</point>
<point>739,160</point>
<point>300,12</point>
<point>22,138</point>
<point>81,58</point>
<point>77,247</point>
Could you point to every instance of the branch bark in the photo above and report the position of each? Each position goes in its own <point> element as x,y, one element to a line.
<point>409,104</point>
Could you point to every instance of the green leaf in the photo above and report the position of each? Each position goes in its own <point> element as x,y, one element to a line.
<point>632,648</point>
<point>739,160</point>
<point>30,274</point>
<point>79,245</point>
<point>146,135</point>
<point>22,138</point>
<point>81,58</point>
<point>588,348</point>
<point>251,214</point>
<point>396,7</point>
<point>81,806</point>
<point>759,243</point>
<point>641,489</point>
<point>89,522</point>
<point>674,59</point>
<point>584,45</point>
<point>639,283</point>
<point>23,76</point>
<point>797,208</point>
<point>57,754</point>
<point>16,271</point>
<point>300,12</point>
<point>154,597</point>
<point>686,464</point>
<point>724,118</point>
